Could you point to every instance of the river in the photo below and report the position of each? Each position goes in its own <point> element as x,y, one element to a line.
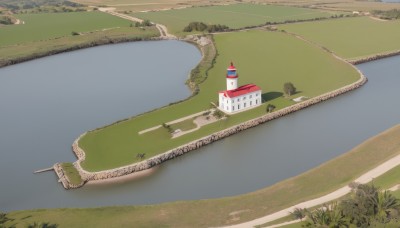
<point>46,103</point>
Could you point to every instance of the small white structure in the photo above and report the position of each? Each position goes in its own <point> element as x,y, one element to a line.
<point>235,99</point>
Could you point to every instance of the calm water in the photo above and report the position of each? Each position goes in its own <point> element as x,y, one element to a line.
<point>45,104</point>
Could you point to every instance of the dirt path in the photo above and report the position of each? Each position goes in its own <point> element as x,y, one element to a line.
<point>161,28</point>
<point>365,178</point>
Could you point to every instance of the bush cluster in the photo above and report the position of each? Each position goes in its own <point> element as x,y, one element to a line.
<point>200,26</point>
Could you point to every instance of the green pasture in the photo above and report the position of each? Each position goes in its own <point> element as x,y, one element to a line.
<point>268,59</point>
<point>46,26</point>
<point>234,16</point>
<point>309,185</point>
<point>351,38</point>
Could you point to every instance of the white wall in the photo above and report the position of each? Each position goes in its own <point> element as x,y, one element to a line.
<point>239,103</point>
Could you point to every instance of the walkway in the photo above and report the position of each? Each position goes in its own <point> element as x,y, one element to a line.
<point>365,178</point>
<point>161,28</point>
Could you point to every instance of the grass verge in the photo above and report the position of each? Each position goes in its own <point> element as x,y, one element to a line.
<point>231,210</point>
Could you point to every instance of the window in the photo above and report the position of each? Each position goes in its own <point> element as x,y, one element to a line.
<point>251,96</point>
<point>256,101</point>
<point>250,103</point>
<point>256,94</point>
<point>238,100</point>
<point>238,107</point>
<point>233,108</point>
<point>233,101</point>
<point>227,101</point>
<point>244,98</point>
<point>244,105</point>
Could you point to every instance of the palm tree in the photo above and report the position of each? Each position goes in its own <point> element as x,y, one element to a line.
<point>384,202</point>
<point>327,216</point>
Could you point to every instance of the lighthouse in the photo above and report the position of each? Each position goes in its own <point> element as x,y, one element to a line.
<point>236,99</point>
<point>231,78</point>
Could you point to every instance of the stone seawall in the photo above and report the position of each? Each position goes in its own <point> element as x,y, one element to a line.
<point>374,57</point>
<point>151,162</point>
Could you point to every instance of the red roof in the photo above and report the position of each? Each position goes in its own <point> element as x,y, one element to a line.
<point>242,90</point>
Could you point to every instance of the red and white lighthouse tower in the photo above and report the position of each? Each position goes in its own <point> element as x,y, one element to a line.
<point>236,99</point>
<point>231,78</point>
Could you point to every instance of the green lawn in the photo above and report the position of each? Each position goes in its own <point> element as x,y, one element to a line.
<point>268,59</point>
<point>351,38</point>
<point>311,184</point>
<point>234,16</point>
<point>52,25</point>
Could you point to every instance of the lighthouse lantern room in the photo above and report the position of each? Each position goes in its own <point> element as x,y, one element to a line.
<point>235,99</point>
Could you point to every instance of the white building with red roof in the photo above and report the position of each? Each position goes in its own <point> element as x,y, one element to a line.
<point>235,99</point>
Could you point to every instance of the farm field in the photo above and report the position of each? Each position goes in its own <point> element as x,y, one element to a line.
<point>38,27</point>
<point>351,38</point>
<point>234,16</point>
<point>263,60</point>
<point>329,176</point>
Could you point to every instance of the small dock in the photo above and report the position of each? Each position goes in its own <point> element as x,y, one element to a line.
<point>44,170</point>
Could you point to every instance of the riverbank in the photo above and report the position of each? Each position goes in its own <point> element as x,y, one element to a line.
<point>97,42</point>
<point>374,57</point>
<point>335,173</point>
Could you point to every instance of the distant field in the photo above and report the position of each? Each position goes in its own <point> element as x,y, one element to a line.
<point>268,59</point>
<point>52,25</point>
<point>234,16</point>
<point>351,37</point>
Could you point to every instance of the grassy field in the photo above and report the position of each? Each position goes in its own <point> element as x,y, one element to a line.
<point>313,183</point>
<point>351,38</point>
<point>234,16</point>
<point>47,26</point>
<point>263,60</point>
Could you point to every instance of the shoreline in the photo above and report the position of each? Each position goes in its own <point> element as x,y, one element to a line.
<point>100,42</point>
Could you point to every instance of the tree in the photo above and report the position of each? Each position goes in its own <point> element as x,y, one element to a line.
<point>140,156</point>
<point>289,89</point>
<point>270,107</point>
<point>299,213</point>
<point>327,216</point>
<point>368,204</point>
<point>42,225</point>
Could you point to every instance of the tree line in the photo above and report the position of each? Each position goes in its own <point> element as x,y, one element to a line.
<point>387,15</point>
<point>200,27</point>
<point>367,206</point>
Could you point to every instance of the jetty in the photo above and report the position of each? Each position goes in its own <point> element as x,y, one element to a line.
<point>44,170</point>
